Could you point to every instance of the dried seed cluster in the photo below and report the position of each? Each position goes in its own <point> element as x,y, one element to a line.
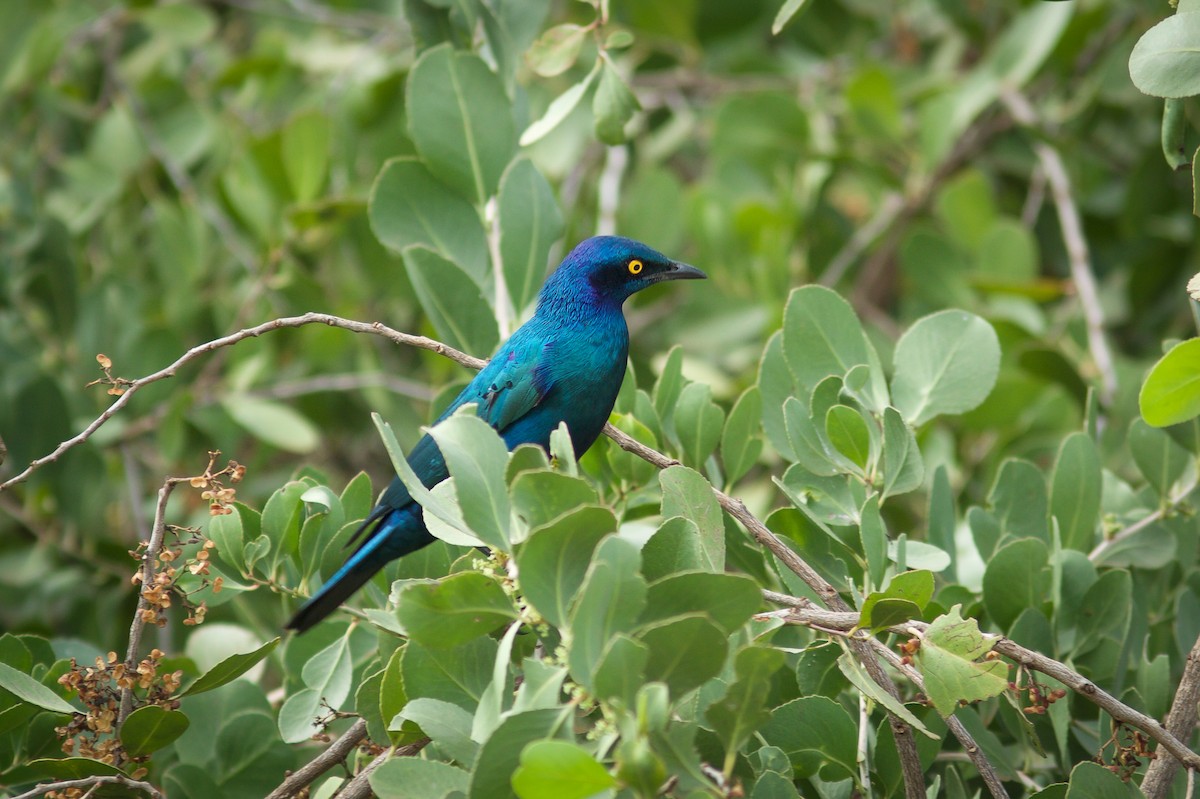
<point>93,733</point>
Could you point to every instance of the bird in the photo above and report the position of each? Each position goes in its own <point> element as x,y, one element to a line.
<point>565,364</point>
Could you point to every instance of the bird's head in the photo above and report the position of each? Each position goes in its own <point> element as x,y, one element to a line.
<point>612,268</point>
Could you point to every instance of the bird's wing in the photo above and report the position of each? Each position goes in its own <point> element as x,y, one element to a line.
<point>510,386</point>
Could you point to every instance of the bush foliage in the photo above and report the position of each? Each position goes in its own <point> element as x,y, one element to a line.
<point>898,503</point>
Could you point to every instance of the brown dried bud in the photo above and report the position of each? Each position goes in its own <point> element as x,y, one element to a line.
<point>104,361</point>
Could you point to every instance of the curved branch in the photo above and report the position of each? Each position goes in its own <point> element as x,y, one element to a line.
<point>92,783</point>
<point>336,753</point>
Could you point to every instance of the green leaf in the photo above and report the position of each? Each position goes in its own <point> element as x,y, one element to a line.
<point>559,770</point>
<point>30,691</point>
<point>1015,580</point>
<point>860,679</point>
<point>612,597</point>
<point>903,467</point>
<point>327,676</point>
<point>817,735</point>
<point>674,547</point>
<point>621,671</point>
<point>776,386</point>
<point>1094,781</point>
<point>393,699</point>
<point>1075,491</point>
<point>500,755</point>
<point>1160,460</point>
<point>1104,611</point>
<point>785,14</point>
<point>821,337</point>
<point>461,120</point>
<point>530,222</point>
<point>409,206</point>
<point>848,433</point>
<point>685,652</point>
<point>70,768</point>
<point>698,422</point>
<point>946,363</point>
<point>273,422</point>
<point>1020,500</point>
<point>229,669</point>
<point>949,661</point>
<point>806,442</point>
<point>453,301</point>
<point>914,588</point>
<point>454,610</point>
<point>1165,62</point>
<point>150,728</point>
<point>458,675</point>
<point>552,562</point>
<point>542,497</point>
<point>740,441</point>
<point>1171,393</point>
<point>729,600</point>
<point>446,724</point>
<point>559,108</point>
<point>613,105</point>
<point>874,538</point>
<point>686,493</point>
<point>413,778</point>
<point>555,50</point>
<point>476,457</point>
<point>305,153</point>
<point>744,708</point>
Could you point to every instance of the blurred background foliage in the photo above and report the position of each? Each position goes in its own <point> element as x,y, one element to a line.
<point>173,172</point>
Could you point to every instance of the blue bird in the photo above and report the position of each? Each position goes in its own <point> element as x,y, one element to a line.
<point>565,364</point>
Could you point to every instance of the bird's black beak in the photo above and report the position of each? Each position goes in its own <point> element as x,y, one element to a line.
<point>678,271</point>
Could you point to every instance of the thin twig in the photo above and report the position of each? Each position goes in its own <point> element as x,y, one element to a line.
<point>147,581</point>
<point>91,782</point>
<point>1055,171</point>
<point>376,328</point>
<point>336,753</point>
<point>1142,523</point>
<point>1181,720</point>
<point>864,236</point>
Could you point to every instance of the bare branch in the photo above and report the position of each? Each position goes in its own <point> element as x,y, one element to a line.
<point>91,783</point>
<point>376,329</point>
<point>1055,173</point>
<point>147,580</point>
<point>336,753</point>
<point>1181,721</point>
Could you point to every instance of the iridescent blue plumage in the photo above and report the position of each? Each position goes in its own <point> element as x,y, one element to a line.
<point>565,364</point>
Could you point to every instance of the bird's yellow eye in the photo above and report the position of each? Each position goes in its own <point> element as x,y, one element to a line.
<point>635,266</point>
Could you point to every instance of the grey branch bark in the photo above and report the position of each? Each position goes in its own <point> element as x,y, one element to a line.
<point>336,753</point>
<point>1181,721</point>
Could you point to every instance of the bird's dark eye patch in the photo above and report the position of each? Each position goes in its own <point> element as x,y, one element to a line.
<point>635,267</point>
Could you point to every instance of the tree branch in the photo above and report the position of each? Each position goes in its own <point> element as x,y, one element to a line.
<point>1072,232</point>
<point>336,753</point>
<point>92,783</point>
<point>1181,721</point>
<point>153,547</point>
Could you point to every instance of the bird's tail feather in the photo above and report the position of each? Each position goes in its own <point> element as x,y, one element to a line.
<point>355,572</point>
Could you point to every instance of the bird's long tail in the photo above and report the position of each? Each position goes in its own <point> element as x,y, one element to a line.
<point>375,552</point>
